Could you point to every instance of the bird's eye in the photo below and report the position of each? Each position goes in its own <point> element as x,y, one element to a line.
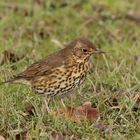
<point>84,50</point>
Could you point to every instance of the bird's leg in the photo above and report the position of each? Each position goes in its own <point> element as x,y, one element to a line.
<point>47,102</point>
<point>70,95</point>
<point>62,102</point>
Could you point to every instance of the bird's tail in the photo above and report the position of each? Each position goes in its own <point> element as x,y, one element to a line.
<point>16,80</point>
<point>7,81</point>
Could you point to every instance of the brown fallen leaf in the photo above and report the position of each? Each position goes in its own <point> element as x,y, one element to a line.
<point>87,112</point>
<point>40,2</point>
<point>116,34</point>
<point>29,109</point>
<point>87,105</point>
<point>9,5</point>
<point>64,4</point>
<point>138,99</point>
<point>84,112</point>
<point>22,135</point>
<point>42,29</point>
<point>2,138</point>
<point>37,5</point>
<point>98,7</point>
<point>52,6</point>
<point>77,7</point>
<point>107,15</point>
<point>136,60</point>
<point>104,128</point>
<point>9,56</point>
<point>19,134</point>
<point>22,9</point>
<point>92,114</point>
<point>131,15</point>
<point>57,135</point>
<point>112,101</point>
<point>57,43</point>
<point>70,110</point>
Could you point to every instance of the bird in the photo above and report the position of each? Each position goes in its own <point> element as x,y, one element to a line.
<point>61,72</point>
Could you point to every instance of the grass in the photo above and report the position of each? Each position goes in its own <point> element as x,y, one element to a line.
<point>28,29</point>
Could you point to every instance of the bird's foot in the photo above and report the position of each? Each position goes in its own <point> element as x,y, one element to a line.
<point>47,102</point>
<point>63,104</point>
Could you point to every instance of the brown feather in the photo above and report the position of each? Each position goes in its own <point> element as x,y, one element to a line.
<point>44,67</point>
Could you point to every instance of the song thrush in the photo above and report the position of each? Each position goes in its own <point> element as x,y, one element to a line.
<point>61,72</point>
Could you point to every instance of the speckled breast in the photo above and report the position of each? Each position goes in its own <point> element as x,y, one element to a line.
<point>63,80</point>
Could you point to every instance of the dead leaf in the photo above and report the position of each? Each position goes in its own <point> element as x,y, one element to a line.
<point>57,43</point>
<point>136,60</point>
<point>87,111</point>
<point>138,99</point>
<point>64,4</point>
<point>9,56</point>
<point>131,15</point>
<point>98,7</point>
<point>2,138</point>
<point>42,29</point>
<point>22,135</point>
<point>57,135</point>
<point>101,127</point>
<point>70,110</point>
<point>77,7</point>
<point>19,134</point>
<point>92,114</point>
<point>9,5</point>
<point>88,20</point>
<point>52,6</point>
<point>80,113</point>
<point>107,15</point>
<point>104,129</point>
<point>41,2</point>
<point>37,5</point>
<point>136,106</point>
<point>29,109</point>
<point>116,34</point>
<point>87,105</point>
<point>84,112</point>
<point>16,8</point>
<point>112,102</point>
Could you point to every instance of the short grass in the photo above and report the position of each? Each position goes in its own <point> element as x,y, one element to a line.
<point>31,28</point>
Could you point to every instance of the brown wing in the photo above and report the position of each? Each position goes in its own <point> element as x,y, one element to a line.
<point>45,66</point>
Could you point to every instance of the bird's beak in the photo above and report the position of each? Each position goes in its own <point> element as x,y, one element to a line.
<point>98,51</point>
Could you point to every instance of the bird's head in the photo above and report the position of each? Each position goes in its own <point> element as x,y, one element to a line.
<point>83,49</point>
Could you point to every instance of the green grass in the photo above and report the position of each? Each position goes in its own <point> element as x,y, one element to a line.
<point>28,30</point>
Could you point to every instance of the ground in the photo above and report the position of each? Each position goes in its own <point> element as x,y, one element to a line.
<point>30,30</point>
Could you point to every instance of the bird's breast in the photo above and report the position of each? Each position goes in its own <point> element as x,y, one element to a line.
<point>63,79</point>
